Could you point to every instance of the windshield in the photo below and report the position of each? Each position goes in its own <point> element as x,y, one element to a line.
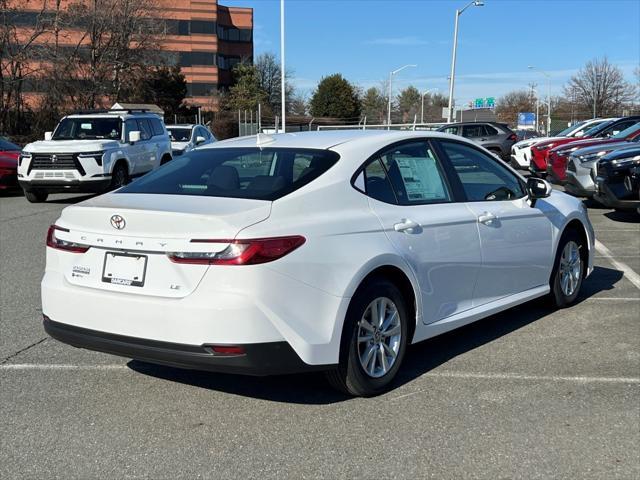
<point>179,134</point>
<point>568,130</point>
<point>252,173</point>
<point>7,146</point>
<point>597,129</point>
<point>87,128</point>
<point>628,131</point>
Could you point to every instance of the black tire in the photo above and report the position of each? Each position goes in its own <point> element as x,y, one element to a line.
<point>36,196</point>
<point>559,298</point>
<point>119,176</point>
<point>350,377</point>
<point>165,159</point>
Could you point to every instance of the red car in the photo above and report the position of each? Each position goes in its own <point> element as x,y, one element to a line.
<point>558,157</point>
<point>9,153</point>
<point>540,151</point>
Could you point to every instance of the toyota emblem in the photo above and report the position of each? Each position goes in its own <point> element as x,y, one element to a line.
<point>54,158</point>
<point>118,222</point>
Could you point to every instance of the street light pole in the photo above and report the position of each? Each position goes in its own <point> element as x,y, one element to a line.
<point>391,74</point>
<point>475,3</point>
<point>548,96</point>
<point>282,72</point>
<point>596,84</point>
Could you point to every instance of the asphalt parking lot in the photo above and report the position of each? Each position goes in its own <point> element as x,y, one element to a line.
<point>528,393</point>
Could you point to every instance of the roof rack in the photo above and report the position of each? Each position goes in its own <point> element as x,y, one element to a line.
<point>111,110</point>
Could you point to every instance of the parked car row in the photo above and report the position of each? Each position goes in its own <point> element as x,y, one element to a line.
<point>96,151</point>
<point>582,157</point>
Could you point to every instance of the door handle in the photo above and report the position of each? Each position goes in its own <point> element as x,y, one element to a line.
<point>406,226</point>
<point>487,218</point>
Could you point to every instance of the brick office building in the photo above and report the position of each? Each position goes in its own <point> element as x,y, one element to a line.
<point>205,38</point>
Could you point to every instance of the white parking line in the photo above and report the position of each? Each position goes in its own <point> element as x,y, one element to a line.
<point>632,276</point>
<point>612,299</point>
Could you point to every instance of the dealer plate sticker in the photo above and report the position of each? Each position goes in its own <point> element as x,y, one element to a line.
<point>124,269</point>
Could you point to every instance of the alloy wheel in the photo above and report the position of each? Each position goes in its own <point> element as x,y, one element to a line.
<point>570,268</point>
<point>379,335</point>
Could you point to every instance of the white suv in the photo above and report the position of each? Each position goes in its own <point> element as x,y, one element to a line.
<point>93,152</point>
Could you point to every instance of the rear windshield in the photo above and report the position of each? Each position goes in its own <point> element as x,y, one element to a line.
<point>253,173</point>
<point>87,128</point>
<point>179,134</point>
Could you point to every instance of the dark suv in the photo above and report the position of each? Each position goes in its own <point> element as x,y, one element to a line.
<point>496,137</point>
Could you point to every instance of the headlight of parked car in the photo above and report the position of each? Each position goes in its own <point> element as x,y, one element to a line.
<point>592,156</point>
<point>566,151</point>
<point>97,156</point>
<point>23,156</point>
<point>620,162</point>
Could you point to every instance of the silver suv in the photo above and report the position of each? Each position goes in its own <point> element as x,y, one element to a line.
<point>93,152</point>
<point>495,137</point>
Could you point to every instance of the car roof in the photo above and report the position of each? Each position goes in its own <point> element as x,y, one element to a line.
<point>325,139</point>
<point>113,114</point>
<point>183,125</point>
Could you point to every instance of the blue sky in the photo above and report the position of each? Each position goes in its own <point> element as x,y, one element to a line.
<point>365,39</point>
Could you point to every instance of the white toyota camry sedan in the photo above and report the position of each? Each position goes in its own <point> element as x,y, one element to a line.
<point>314,251</point>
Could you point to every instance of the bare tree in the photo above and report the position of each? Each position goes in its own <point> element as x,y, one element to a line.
<point>269,81</point>
<point>600,87</point>
<point>19,50</point>
<point>512,103</point>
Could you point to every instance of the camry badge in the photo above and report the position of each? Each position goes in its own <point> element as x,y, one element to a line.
<point>118,222</point>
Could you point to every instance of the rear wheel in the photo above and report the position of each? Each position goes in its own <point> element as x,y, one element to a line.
<point>36,196</point>
<point>119,177</point>
<point>165,159</point>
<point>374,340</point>
<point>568,271</point>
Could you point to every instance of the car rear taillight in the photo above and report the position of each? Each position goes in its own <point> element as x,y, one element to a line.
<point>59,244</point>
<point>513,137</point>
<point>241,252</point>
<point>226,350</point>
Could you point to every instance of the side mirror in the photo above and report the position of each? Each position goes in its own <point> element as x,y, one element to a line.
<point>538,188</point>
<point>48,136</point>
<point>134,136</point>
<point>200,140</point>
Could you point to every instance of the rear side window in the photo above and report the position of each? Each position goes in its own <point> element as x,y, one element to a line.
<point>377,182</point>
<point>473,131</point>
<point>483,178</point>
<point>156,126</point>
<point>489,131</point>
<point>252,173</point>
<point>451,130</point>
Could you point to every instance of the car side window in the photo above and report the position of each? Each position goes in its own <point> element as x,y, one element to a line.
<point>145,129</point>
<point>451,130</point>
<point>156,126</point>
<point>377,183</point>
<point>489,131</point>
<point>483,178</point>
<point>613,130</point>
<point>129,126</point>
<point>472,131</point>
<point>415,174</point>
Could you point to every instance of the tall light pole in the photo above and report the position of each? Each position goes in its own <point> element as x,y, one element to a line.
<point>282,73</point>
<point>475,3</point>
<point>422,103</point>
<point>531,67</point>
<point>391,74</point>
<point>596,84</point>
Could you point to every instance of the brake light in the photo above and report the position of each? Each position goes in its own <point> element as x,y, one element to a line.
<point>241,252</point>
<point>226,350</point>
<point>59,244</point>
<point>513,137</point>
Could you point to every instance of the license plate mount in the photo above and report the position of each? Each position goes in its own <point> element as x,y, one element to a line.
<point>125,269</point>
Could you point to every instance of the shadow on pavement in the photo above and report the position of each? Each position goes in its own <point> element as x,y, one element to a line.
<point>312,388</point>
<point>624,217</point>
<point>71,200</point>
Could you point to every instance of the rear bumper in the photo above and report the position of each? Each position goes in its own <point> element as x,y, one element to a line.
<point>62,186</point>
<point>273,358</point>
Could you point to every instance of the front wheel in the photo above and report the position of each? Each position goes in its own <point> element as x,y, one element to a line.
<point>374,340</point>
<point>568,270</point>
<point>119,177</point>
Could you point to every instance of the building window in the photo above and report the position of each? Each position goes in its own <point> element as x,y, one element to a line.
<point>200,89</point>
<point>203,27</point>
<point>189,59</point>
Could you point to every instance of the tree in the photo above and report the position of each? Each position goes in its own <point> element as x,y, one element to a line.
<point>509,105</point>
<point>374,105</point>
<point>600,86</point>
<point>297,104</point>
<point>245,94</point>
<point>409,103</point>
<point>163,86</point>
<point>269,81</point>
<point>335,97</point>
